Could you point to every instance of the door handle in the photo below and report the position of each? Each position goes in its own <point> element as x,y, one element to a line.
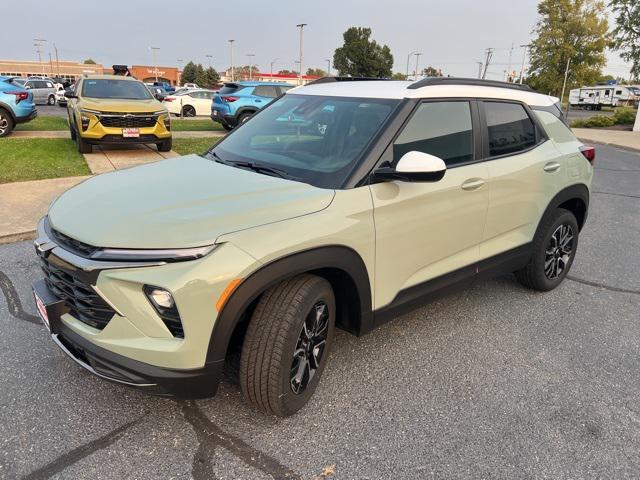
<point>472,184</point>
<point>551,166</point>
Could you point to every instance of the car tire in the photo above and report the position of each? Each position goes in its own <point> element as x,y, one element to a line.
<point>51,100</point>
<point>6,123</point>
<point>286,345</point>
<point>83,145</point>
<point>188,111</point>
<point>243,118</point>
<point>165,146</point>
<point>228,128</point>
<point>72,132</point>
<point>553,251</point>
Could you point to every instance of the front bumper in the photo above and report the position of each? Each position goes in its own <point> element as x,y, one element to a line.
<point>96,133</point>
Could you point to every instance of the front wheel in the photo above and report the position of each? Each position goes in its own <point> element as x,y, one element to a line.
<point>287,343</point>
<point>83,145</point>
<point>554,248</point>
<point>165,146</point>
<point>228,128</point>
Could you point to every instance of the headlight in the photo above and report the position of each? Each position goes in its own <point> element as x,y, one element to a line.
<point>168,255</point>
<point>167,122</point>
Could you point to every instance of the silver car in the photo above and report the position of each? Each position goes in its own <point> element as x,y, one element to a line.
<point>44,91</point>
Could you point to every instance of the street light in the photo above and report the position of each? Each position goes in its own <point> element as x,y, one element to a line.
<point>209,57</point>
<point>301,27</point>
<point>231,48</point>
<point>271,65</point>
<point>409,58</point>
<point>251,55</point>
<point>328,66</point>
<point>155,64</point>
<point>417,54</point>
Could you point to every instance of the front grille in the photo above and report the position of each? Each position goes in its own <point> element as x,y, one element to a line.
<point>83,302</point>
<point>73,245</point>
<point>128,120</point>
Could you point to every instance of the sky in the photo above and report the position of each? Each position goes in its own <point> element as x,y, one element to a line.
<point>451,35</point>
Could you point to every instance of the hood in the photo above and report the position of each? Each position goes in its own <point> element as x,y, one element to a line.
<point>120,105</point>
<point>182,202</point>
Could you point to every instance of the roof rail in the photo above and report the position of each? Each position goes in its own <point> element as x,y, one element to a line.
<point>431,81</point>
<point>345,79</point>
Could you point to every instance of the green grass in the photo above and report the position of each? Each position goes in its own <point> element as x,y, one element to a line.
<point>44,124</point>
<point>180,125</point>
<point>24,159</point>
<point>186,146</point>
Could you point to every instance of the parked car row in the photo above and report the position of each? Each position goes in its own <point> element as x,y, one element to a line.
<point>16,105</point>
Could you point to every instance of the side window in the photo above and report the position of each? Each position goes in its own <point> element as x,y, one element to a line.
<point>285,88</point>
<point>442,129</point>
<point>510,128</point>
<point>266,91</point>
<point>28,84</point>
<point>49,85</point>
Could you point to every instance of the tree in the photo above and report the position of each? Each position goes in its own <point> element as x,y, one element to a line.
<point>89,61</point>
<point>189,73</point>
<point>431,72</point>
<point>398,76</point>
<point>316,72</point>
<point>209,78</point>
<point>288,72</point>
<point>627,32</point>
<point>361,57</point>
<point>568,30</point>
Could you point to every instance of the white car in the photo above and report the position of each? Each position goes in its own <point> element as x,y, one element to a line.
<point>190,85</point>
<point>190,103</point>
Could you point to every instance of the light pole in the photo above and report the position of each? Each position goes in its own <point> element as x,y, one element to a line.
<point>566,74</point>
<point>231,48</point>
<point>179,60</point>
<point>251,55</point>
<point>409,58</point>
<point>524,58</point>
<point>155,64</point>
<point>301,27</point>
<point>209,57</point>
<point>479,69</point>
<point>328,67</point>
<point>296,67</point>
<point>271,65</point>
<point>417,54</point>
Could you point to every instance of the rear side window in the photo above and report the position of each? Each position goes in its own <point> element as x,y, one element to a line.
<point>510,128</point>
<point>230,88</point>
<point>269,91</point>
<point>442,129</point>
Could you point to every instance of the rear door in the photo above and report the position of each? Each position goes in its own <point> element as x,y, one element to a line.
<point>202,101</point>
<point>264,94</point>
<point>525,171</point>
<point>35,91</point>
<point>428,230</point>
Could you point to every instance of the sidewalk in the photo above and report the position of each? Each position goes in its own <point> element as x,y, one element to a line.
<point>615,138</point>
<point>65,134</point>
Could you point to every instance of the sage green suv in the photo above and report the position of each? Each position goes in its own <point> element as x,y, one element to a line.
<point>341,204</point>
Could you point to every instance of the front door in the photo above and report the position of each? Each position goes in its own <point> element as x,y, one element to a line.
<point>427,230</point>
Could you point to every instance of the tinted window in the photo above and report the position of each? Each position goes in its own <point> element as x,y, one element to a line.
<point>230,88</point>
<point>40,84</point>
<point>266,91</point>
<point>285,88</point>
<point>122,89</point>
<point>510,128</point>
<point>442,129</point>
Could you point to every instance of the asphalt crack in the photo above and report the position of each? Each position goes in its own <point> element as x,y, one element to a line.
<point>13,301</point>
<point>77,454</point>
<point>211,436</point>
<point>602,285</point>
<point>617,194</point>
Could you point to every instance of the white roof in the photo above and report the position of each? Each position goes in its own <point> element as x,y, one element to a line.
<point>399,90</point>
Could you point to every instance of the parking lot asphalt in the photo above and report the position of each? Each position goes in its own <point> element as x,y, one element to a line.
<point>493,382</point>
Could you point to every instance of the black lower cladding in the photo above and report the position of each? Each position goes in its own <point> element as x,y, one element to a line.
<point>82,300</point>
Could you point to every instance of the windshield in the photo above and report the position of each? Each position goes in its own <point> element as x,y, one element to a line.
<point>120,89</point>
<point>317,140</point>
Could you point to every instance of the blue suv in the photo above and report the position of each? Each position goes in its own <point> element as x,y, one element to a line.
<point>236,102</point>
<point>16,105</point>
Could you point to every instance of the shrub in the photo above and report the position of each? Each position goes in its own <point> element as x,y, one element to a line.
<point>594,122</point>
<point>625,116</point>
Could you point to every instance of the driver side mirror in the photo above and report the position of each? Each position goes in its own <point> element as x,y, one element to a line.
<point>159,97</point>
<point>70,94</point>
<point>413,167</point>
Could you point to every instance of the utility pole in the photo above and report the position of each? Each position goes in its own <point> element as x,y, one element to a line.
<point>328,66</point>
<point>155,63</point>
<point>251,55</point>
<point>179,82</point>
<point>566,74</point>
<point>409,58</point>
<point>524,59</point>
<point>50,65</point>
<point>508,70</point>
<point>271,65</point>
<point>301,27</point>
<point>479,69</point>
<point>231,48</point>
<point>38,44</point>
<point>417,54</point>
<point>209,57</point>
<point>487,61</point>
<point>57,61</point>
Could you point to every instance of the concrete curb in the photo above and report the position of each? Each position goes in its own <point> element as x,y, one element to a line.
<point>17,237</point>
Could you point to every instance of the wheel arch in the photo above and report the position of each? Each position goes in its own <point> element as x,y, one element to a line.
<point>574,198</point>
<point>340,265</point>
<point>242,110</point>
<point>9,110</point>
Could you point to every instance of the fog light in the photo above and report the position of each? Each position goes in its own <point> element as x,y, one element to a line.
<point>161,298</point>
<point>85,123</point>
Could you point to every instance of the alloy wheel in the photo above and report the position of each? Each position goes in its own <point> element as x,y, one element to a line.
<point>4,124</point>
<point>558,252</point>
<point>310,347</point>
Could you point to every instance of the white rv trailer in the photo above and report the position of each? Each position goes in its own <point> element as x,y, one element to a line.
<point>594,98</point>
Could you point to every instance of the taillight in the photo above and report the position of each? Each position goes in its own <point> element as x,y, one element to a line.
<point>19,96</point>
<point>589,153</point>
<point>169,99</point>
<point>229,99</point>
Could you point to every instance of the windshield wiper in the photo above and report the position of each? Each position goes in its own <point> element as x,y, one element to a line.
<point>256,167</point>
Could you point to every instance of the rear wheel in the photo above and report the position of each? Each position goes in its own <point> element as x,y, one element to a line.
<point>287,343</point>
<point>244,118</point>
<point>554,248</point>
<point>165,146</point>
<point>51,100</point>
<point>228,128</point>
<point>6,123</point>
<point>188,111</point>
